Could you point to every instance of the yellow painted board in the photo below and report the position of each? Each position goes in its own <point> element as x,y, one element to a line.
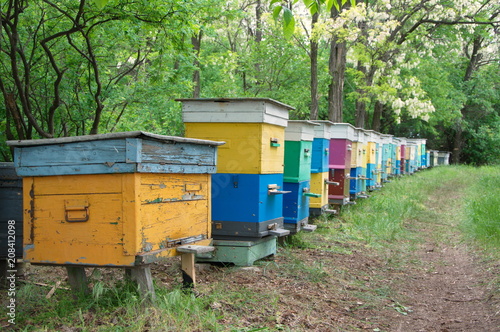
<point>318,186</point>
<point>177,206</point>
<point>371,155</point>
<point>248,148</point>
<point>109,219</point>
<point>354,154</point>
<point>364,155</point>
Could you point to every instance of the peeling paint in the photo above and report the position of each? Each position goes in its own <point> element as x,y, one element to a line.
<point>185,197</point>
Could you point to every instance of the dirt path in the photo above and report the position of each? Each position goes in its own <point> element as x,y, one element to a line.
<point>449,290</point>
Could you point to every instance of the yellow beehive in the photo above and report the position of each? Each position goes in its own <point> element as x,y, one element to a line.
<point>253,129</point>
<point>319,185</point>
<point>120,199</point>
<point>113,219</point>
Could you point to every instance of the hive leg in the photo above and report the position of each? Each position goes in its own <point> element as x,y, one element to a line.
<point>77,279</point>
<point>188,271</point>
<point>142,276</point>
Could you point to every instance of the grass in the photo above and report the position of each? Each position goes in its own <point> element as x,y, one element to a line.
<point>386,223</point>
<point>482,221</point>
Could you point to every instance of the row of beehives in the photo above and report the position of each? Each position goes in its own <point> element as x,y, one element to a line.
<point>127,199</point>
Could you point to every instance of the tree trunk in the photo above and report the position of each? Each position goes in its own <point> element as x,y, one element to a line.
<point>377,115</point>
<point>360,102</point>
<point>314,73</point>
<point>337,65</point>
<point>336,69</point>
<point>196,41</point>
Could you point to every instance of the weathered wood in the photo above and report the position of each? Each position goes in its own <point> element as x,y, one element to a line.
<point>102,154</point>
<point>127,215</point>
<point>188,270</point>
<point>235,110</point>
<point>77,279</point>
<point>195,249</point>
<point>142,276</point>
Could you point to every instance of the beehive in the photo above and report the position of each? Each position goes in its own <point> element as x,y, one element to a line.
<point>342,136</point>
<point>402,156</point>
<point>299,136</point>
<point>443,158</point>
<point>121,199</point>
<point>364,160</point>
<point>247,192</point>
<point>396,156</point>
<point>371,162</point>
<point>434,158</point>
<point>423,152</point>
<point>296,205</point>
<point>411,151</point>
<point>321,147</point>
<point>320,167</point>
<point>356,176</point>
<point>253,129</point>
<point>246,205</point>
<point>386,141</point>
<point>11,205</point>
<point>319,184</point>
<point>419,152</point>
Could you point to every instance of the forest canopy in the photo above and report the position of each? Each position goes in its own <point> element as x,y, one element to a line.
<point>426,68</point>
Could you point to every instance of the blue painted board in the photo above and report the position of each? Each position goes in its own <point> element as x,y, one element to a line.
<point>397,171</point>
<point>114,153</point>
<point>296,203</point>
<point>245,197</point>
<point>371,175</point>
<point>320,155</point>
<point>363,179</point>
<point>355,182</point>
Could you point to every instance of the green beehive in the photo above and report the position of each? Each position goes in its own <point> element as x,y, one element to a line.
<point>299,136</point>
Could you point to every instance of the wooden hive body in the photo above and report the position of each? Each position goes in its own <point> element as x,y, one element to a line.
<point>120,199</point>
<point>253,129</point>
<point>244,206</point>
<point>296,205</point>
<point>339,194</point>
<point>340,169</point>
<point>299,136</point>
<point>321,147</point>
<point>319,185</point>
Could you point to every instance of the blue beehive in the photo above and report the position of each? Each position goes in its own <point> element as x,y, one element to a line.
<point>321,147</point>
<point>246,205</point>
<point>296,205</point>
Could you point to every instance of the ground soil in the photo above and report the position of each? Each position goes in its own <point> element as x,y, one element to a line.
<point>440,285</point>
